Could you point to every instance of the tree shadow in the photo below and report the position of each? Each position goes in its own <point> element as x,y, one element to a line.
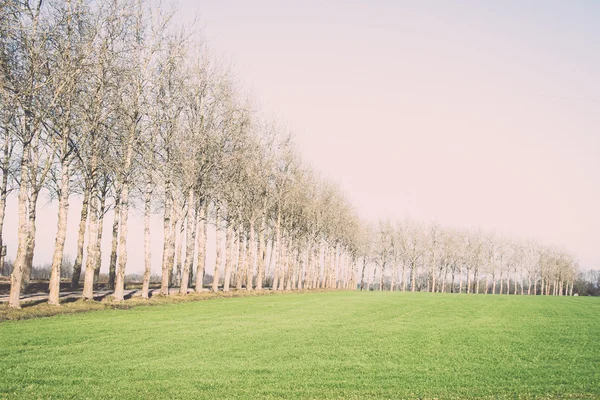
<point>130,294</point>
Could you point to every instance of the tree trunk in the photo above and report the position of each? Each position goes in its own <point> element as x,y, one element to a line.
<point>99,237</point>
<point>308,284</point>
<point>228,256</point>
<point>169,242</point>
<point>90,265</point>
<point>299,270</point>
<point>81,238</point>
<point>27,267</point>
<point>335,263</point>
<point>123,228</point>
<point>514,282</point>
<point>215,285</point>
<point>346,269</point>
<point>262,254</point>
<point>16,277</point>
<point>309,267</point>
<point>287,245</point>
<point>282,262</point>
<point>235,250</point>
<point>190,243</point>
<point>200,268</point>
<point>339,266</point>
<point>403,277</point>
<point>521,283</point>
<point>326,265</point>
<point>246,258</point>
<point>352,283</point>
<point>147,238</point>
<point>469,283</point>
<point>112,267</point>
<point>362,275</point>
<point>179,239</point>
<point>413,276</point>
<point>542,287</point>
<point>122,257</point>
<point>371,284</point>
<point>241,255</point>
<point>433,282</point>
<point>253,257</point>
<point>444,278</point>
<point>61,235</point>
<point>4,190</point>
<point>316,266</point>
<point>275,251</point>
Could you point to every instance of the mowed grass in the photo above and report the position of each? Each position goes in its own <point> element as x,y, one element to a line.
<point>332,345</point>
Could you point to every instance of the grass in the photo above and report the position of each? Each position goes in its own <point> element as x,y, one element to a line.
<point>333,345</point>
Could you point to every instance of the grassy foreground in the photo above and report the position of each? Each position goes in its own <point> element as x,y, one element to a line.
<point>338,345</point>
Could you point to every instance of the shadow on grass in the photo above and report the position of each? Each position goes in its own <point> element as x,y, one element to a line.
<point>105,301</point>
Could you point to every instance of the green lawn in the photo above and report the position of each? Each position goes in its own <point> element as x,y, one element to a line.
<point>337,345</point>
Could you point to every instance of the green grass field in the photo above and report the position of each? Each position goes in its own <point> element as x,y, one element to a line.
<point>336,345</point>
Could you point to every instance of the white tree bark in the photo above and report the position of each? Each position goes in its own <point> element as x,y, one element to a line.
<point>250,274</point>
<point>147,238</point>
<point>169,240</point>
<point>30,247</point>
<point>216,277</point>
<point>241,258</point>
<point>179,239</point>
<point>190,243</point>
<point>228,256</point>
<point>16,277</point>
<point>61,234</point>
<point>123,229</point>
<point>81,237</point>
<point>201,263</point>
<point>91,263</point>
<point>112,267</point>
<point>262,254</point>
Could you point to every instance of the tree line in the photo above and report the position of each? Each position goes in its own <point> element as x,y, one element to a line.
<point>408,255</point>
<point>117,103</point>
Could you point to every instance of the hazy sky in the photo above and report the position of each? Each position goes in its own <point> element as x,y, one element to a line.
<point>472,113</point>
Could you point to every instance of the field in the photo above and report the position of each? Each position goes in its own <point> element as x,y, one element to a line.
<point>336,345</point>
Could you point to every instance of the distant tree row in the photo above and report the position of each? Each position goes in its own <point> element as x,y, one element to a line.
<point>588,283</point>
<point>115,103</point>
<point>420,257</point>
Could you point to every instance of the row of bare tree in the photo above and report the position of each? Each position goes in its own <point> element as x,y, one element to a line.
<point>418,257</point>
<point>116,103</point>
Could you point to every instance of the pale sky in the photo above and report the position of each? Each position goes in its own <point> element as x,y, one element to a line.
<point>471,113</point>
